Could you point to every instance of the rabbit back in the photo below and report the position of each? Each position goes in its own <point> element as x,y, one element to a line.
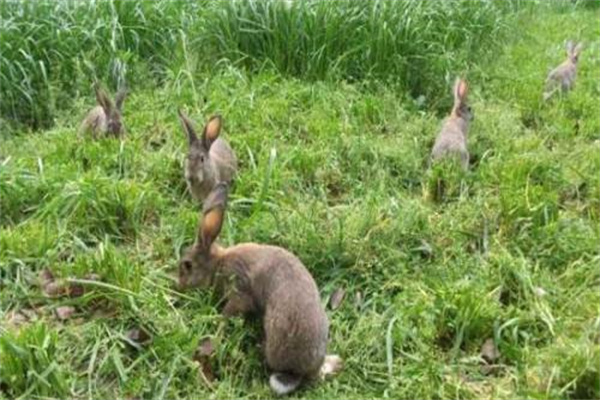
<point>563,76</point>
<point>452,140</point>
<point>95,122</point>
<point>224,160</point>
<point>295,343</point>
<point>294,321</point>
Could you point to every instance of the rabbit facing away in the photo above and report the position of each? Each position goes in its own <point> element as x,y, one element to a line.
<point>452,139</point>
<point>106,118</point>
<point>562,78</point>
<point>272,283</point>
<point>210,159</point>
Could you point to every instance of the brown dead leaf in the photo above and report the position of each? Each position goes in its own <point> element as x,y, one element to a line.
<point>15,318</point>
<point>138,336</point>
<point>59,287</point>
<point>74,290</point>
<point>207,371</point>
<point>206,347</point>
<point>202,356</point>
<point>64,312</point>
<point>336,298</point>
<point>489,351</point>
<point>46,277</point>
<point>55,289</point>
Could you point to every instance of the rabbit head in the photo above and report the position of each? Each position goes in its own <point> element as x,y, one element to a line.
<point>199,169</point>
<point>573,51</point>
<point>461,109</point>
<point>198,265</point>
<point>113,111</point>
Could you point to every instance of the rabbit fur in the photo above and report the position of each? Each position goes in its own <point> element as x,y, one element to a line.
<point>270,282</point>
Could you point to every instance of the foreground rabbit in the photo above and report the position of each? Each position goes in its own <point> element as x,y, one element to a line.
<point>268,281</point>
<point>563,77</point>
<point>106,117</point>
<point>452,140</point>
<point>210,159</point>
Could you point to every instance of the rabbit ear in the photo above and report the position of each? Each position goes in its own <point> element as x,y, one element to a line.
<point>460,91</point>
<point>211,131</point>
<point>102,98</point>
<point>569,46</point>
<point>575,52</point>
<point>214,211</point>
<point>188,127</point>
<point>120,98</point>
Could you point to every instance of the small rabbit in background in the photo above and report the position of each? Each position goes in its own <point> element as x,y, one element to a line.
<point>562,78</point>
<point>106,118</point>
<point>272,283</point>
<point>452,139</point>
<point>210,159</point>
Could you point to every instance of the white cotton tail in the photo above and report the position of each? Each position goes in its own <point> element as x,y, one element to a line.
<point>331,366</point>
<point>283,383</point>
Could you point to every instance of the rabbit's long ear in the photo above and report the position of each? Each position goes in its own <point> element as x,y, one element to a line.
<point>211,131</point>
<point>188,127</point>
<point>213,215</point>
<point>102,98</point>
<point>569,47</point>
<point>576,50</point>
<point>120,98</point>
<point>460,91</point>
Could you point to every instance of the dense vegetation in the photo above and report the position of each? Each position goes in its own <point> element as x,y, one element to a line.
<point>332,123</point>
<point>51,50</point>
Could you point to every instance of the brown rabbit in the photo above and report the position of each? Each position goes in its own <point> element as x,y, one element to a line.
<point>210,159</point>
<point>452,139</point>
<point>562,78</point>
<point>106,118</point>
<point>268,281</point>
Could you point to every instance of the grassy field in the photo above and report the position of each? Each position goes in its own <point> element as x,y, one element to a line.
<point>334,169</point>
<point>169,42</point>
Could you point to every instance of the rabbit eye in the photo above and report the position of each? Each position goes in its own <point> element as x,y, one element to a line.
<point>201,157</point>
<point>187,266</point>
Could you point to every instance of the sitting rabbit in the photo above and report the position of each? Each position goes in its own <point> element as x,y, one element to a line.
<point>562,78</point>
<point>210,159</point>
<point>452,139</point>
<point>106,118</point>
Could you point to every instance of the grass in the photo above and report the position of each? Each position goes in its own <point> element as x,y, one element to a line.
<point>335,171</point>
<point>150,43</point>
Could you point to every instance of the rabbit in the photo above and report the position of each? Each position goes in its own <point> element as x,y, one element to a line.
<point>269,282</point>
<point>106,117</point>
<point>563,77</point>
<point>210,159</point>
<point>452,139</point>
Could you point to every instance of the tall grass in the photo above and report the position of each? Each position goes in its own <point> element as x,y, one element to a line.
<point>412,42</point>
<point>51,51</point>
